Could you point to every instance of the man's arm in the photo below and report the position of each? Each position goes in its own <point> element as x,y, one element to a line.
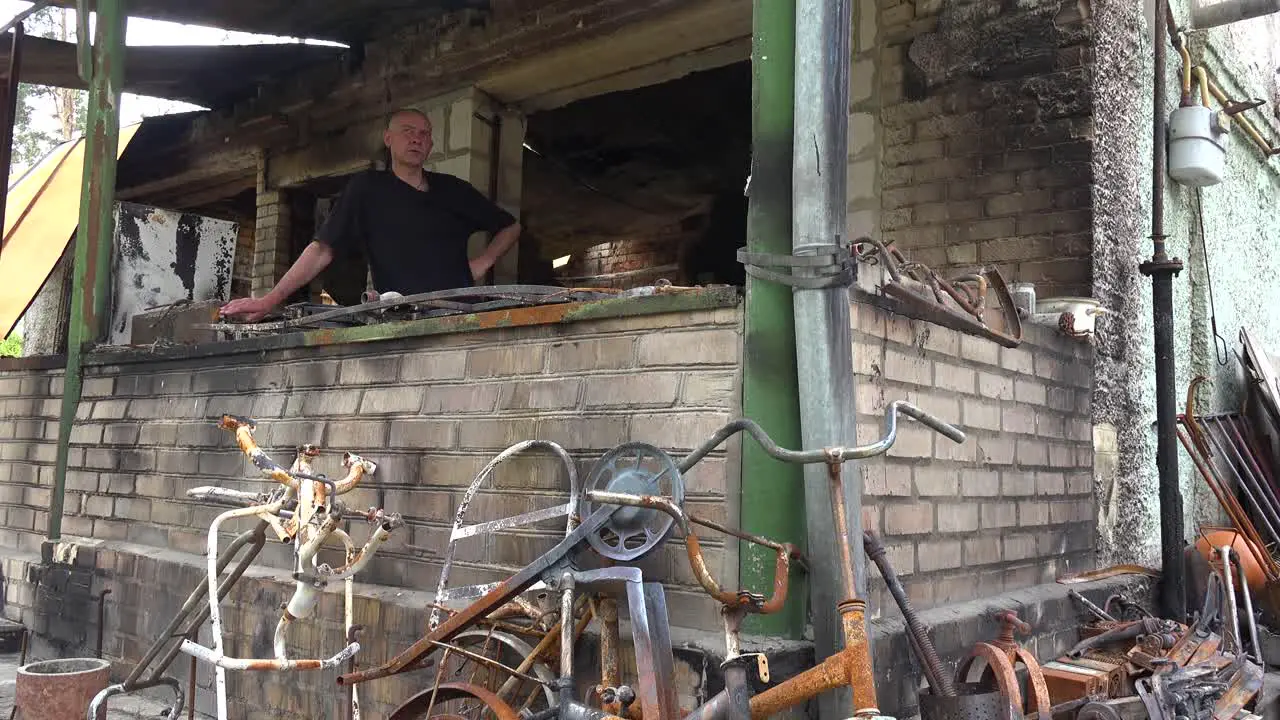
<point>314,258</point>
<point>498,247</point>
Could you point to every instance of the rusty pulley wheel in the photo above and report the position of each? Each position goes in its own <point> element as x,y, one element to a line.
<point>634,469</point>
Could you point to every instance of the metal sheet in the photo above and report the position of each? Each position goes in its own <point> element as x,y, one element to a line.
<point>41,213</point>
<point>164,257</point>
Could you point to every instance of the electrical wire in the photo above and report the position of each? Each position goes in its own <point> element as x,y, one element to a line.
<point>1220,348</point>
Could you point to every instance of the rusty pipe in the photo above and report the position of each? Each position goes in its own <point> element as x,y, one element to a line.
<point>925,652</point>
<point>1202,80</point>
<point>1232,508</point>
<point>357,469</point>
<point>1245,123</point>
<point>609,675</point>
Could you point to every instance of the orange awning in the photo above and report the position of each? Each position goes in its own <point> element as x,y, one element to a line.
<point>40,217</point>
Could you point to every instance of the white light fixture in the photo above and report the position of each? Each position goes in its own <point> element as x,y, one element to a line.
<point>560,261</point>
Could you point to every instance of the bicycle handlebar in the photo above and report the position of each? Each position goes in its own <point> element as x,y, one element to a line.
<point>840,454</point>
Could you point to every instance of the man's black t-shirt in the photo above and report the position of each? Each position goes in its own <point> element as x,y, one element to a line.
<point>415,241</point>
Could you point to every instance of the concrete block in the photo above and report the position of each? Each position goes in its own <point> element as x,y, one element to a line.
<point>981,414</point>
<point>982,550</point>
<point>555,394</point>
<point>907,368</point>
<point>356,436</point>
<point>370,370</point>
<point>506,361</point>
<point>469,398</point>
<point>913,519</point>
<point>424,434</point>
<point>879,480</point>
<point>603,432</point>
<point>321,403</point>
<point>940,555</point>
<point>954,377</point>
<point>488,434</point>
<point>391,401</point>
<point>1018,360</point>
<point>1019,547</point>
<point>999,515</point>
<point>312,374</point>
<point>912,442</point>
<point>704,389</point>
<point>1030,391</point>
<point>932,481</point>
<point>1032,452</point>
<point>958,517</point>
<point>613,353</point>
<point>648,389</point>
<point>1033,512</point>
<point>702,347</point>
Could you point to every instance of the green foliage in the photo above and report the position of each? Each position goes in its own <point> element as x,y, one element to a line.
<point>11,346</point>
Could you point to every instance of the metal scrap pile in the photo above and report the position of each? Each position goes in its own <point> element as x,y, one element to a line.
<point>1128,665</point>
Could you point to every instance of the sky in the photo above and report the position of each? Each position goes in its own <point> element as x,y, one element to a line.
<point>142,31</point>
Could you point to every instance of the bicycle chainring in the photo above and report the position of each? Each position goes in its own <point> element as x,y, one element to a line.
<point>635,469</point>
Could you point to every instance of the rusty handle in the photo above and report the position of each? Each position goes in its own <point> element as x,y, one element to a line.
<point>698,563</point>
<point>740,599</point>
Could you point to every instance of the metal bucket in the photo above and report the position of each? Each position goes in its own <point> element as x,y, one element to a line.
<point>970,703</point>
<point>59,689</point>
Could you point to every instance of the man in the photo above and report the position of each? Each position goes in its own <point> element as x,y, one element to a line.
<point>412,225</point>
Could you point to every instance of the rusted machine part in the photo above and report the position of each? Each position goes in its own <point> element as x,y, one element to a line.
<point>419,706</point>
<point>1244,684</point>
<point>102,617</point>
<point>1010,623</point>
<point>999,667</point>
<point>60,689</point>
<point>921,643</point>
<point>857,656</point>
<point>191,689</point>
<point>996,321</point>
<point>1040,701</point>
<point>1129,631</point>
<point>1090,606</point>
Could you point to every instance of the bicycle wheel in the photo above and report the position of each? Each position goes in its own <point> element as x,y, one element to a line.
<point>482,670</point>
<point>454,701</point>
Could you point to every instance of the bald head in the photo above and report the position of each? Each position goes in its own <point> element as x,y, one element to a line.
<point>408,137</point>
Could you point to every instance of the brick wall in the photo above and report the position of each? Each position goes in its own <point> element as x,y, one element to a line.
<point>987,137</point>
<point>633,262</point>
<point>431,411</point>
<point>1012,506</point>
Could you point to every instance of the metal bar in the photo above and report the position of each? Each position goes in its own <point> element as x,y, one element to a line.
<point>1161,268</point>
<point>772,499</point>
<point>1212,14</point>
<point>1244,440</point>
<point>96,230</point>
<point>528,518</point>
<point>1230,505</point>
<point>1262,496</point>
<point>1269,519</point>
<point>9,112</point>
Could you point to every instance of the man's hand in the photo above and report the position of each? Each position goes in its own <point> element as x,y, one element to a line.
<point>480,267</point>
<point>249,309</point>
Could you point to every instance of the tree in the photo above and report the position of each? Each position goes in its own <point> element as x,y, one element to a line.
<point>66,106</point>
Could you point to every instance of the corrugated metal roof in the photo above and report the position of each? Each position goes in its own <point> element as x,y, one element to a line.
<point>338,20</point>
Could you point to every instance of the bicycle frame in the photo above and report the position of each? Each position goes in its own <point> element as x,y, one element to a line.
<point>303,511</point>
<point>851,667</point>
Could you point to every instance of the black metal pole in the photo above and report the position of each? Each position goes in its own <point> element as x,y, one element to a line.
<point>1161,268</point>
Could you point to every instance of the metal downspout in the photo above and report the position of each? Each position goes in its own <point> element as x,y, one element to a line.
<point>824,344</point>
<point>1162,268</point>
<point>94,236</point>
<point>772,493</point>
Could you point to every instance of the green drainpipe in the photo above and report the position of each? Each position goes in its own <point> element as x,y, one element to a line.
<point>772,492</point>
<point>94,236</point>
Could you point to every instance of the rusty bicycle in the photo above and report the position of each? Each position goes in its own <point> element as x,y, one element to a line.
<point>629,505</point>
<point>304,511</point>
